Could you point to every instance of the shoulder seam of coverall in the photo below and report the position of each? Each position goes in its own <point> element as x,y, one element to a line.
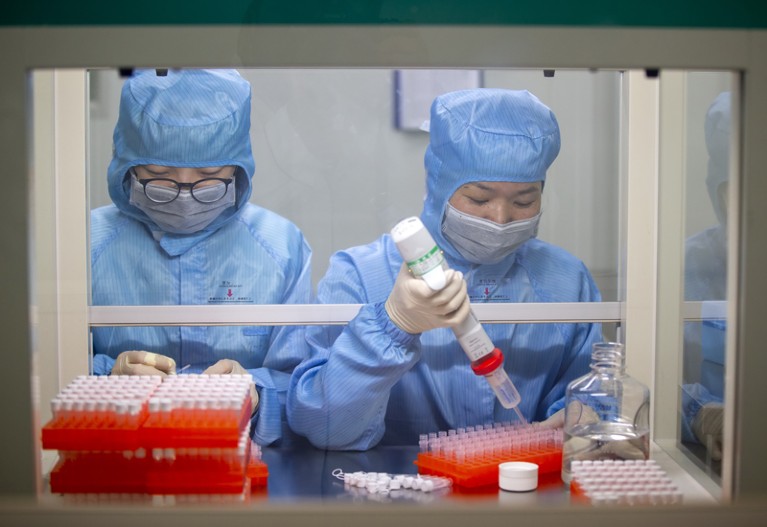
<point>113,233</point>
<point>538,291</point>
<point>268,248</point>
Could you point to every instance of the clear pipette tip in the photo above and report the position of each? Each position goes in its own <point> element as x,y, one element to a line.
<point>521,417</point>
<point>505,391</point>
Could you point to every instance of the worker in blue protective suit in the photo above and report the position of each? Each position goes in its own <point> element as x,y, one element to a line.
<point>181,231</point>
<point>396,370</point>
<point>706,279</point>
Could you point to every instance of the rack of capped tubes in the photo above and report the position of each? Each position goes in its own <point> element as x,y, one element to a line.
<point>177,438</point>
<point>470,456</point>
<point>383,483</point>
<point>622,482</point>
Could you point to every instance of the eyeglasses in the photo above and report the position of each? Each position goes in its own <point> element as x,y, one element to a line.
<point>208,190</point>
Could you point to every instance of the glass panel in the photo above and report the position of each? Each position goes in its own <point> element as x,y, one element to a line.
<point>705,265</point>
<point>330,157</point>
<point>339,174</point>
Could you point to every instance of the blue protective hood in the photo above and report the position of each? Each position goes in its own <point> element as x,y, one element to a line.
<point>484,135</point>
<point>189,118</point>
<point>717,129</point>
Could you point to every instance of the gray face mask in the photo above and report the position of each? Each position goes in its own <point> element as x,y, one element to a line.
<point>486,242</point>
<point>183,215</point>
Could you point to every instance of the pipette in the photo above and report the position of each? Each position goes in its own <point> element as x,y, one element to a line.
<point>425,260</point>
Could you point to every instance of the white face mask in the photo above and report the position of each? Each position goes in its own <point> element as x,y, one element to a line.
<point>183,215</point>
<point>483,241</point>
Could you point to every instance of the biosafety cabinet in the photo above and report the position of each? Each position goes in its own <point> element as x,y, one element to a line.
<point>662,121</point>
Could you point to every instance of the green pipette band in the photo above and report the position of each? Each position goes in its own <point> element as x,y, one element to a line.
<point>427,262</point>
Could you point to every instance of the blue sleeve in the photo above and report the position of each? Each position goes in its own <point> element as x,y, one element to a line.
<point>577,366</point>
<point>287,348</point>
<point>269,423</point>
<point>694,397</point>
<point>338,396</point>
<point>576,363</point>
<point>102,364</point>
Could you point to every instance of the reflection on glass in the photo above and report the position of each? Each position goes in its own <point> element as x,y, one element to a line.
<point>705,281</point>
<point>329,156</point>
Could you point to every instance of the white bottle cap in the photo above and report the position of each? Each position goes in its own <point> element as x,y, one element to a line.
<point>518,476</point>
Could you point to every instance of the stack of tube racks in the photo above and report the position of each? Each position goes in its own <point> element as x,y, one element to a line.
<point>470,456</point>
<point>186,437</point>
<point>622,482</point>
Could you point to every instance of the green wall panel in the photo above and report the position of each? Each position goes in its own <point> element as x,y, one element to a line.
<point>604,13</point>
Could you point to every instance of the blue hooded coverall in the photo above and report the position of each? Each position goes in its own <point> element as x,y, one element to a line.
<point>247,255</point>
<point>370,382</point>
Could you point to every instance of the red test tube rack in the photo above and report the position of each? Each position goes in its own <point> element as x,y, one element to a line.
<point>198,411</point>
<point>470,456</point>
<point>99,413</point>
<point>185,437</point>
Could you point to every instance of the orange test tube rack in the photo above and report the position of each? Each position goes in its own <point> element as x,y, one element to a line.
<point>470,457</point>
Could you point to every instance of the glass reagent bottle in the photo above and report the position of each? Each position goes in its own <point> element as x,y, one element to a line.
<point>607,412</point>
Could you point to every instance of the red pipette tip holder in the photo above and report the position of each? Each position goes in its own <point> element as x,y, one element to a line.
<point>470,457</point>
<point>184,435</point>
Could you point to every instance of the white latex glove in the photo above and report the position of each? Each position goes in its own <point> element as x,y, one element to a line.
<point>414,307</point>
<point>143,363</point>
<point>576,447</point>
<point>582,448</point>
<point>579,414</point>
<point>557,420</point>
<point>228,367</point>
<point>708,427</point>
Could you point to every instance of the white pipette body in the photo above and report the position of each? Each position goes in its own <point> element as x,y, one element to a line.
<point>426,261</point>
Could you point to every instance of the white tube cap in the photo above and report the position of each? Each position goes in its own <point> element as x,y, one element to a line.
<point>518,476</point>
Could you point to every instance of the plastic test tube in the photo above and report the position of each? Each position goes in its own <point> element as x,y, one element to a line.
<point>425,260</point>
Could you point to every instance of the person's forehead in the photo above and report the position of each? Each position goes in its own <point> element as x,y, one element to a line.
<point>505,187</point>
<point>172,168</point>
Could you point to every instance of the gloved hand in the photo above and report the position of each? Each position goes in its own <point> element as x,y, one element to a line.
<point>583,448</point>
<point>579,414</point>
<point>414,307</point>
<point>557,420</point>
<point>143,363</point>
<point>708,427</point>
<point>229,366</point>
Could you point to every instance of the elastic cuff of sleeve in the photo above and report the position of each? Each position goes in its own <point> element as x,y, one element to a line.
<point>398,336</point>
<point>690,404</point>
<point>254,413</point>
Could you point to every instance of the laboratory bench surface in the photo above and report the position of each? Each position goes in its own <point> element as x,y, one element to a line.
<point>305,474</point>
<point>302,490</point>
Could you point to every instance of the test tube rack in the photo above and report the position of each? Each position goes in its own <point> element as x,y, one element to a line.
<point>470,456</point>
<point>622,482</point>
<point>140,435</point>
